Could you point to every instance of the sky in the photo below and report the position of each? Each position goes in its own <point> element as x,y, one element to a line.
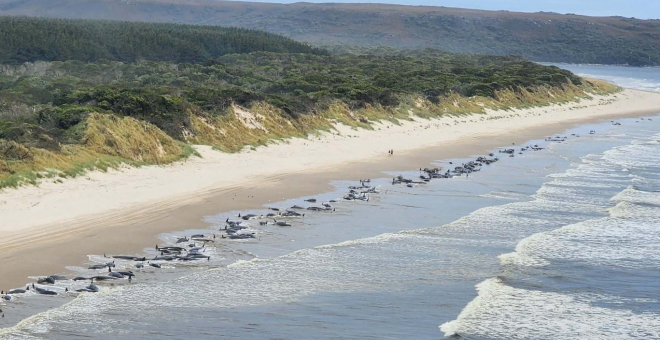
<point>642,9</point>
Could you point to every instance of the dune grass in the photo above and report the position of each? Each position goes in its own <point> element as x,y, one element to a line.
<point>109,142</point>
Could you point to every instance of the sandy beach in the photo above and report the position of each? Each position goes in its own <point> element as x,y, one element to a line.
<point>52,225</point>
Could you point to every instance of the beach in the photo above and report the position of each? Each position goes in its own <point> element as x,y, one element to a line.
<point>52,225</point>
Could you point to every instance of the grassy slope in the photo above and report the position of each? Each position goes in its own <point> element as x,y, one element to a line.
<point>108,142</point>
<point>538,36</point>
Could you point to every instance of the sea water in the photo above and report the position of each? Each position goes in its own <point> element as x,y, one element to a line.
<point>562,243</point>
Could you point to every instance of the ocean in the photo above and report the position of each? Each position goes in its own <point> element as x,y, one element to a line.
<point>561,243</point>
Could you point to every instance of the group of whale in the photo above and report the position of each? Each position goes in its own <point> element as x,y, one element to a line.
<point>427,174</point>
<point>54,285</point>
<point>52,280</point>
<point>361,192</point>
<point>240,229</point>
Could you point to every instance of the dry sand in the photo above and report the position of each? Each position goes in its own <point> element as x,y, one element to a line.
<point>47,227</point>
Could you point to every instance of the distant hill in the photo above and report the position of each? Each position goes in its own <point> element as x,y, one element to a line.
<point>25,39</point>
<point>537,36</point>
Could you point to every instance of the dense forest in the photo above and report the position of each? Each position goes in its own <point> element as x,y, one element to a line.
<point>76,114</point>
<point>542,36</point>
<point>30,39</point>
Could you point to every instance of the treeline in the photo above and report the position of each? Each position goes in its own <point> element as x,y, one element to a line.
<point>54,98</point>
<point>24,39</point>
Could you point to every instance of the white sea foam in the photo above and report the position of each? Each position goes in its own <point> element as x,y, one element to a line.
<point>626,210</point>
<point>504,312</point>
<point>364,241</point>
<point>635,155</point>
<point>632,195</point>
<point>604,242</point>
<point>506,195</point>
<point>521,256</point>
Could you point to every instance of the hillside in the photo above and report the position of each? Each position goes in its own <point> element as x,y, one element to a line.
<point>26,39</point>
<point>537,36</point>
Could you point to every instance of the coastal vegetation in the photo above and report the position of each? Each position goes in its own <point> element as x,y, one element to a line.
<point>549,37</point>
<point>61,118</point>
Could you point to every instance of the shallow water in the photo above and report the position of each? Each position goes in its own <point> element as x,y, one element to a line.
<point>559,243</point>
<point>640,78</point>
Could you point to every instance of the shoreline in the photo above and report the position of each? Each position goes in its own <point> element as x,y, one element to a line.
<point>252,179</point>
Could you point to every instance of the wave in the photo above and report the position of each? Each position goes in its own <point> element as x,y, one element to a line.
<point>635,196</point>
<point>382,238</point>
<point>506,195</point>
<point>635,155</point>
<point>601,242</point>
<point>504,312</point>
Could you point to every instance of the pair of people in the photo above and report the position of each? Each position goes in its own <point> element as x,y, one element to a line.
<point>391,152</point>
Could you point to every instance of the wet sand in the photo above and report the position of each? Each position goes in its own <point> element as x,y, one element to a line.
<point>47,248</point>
